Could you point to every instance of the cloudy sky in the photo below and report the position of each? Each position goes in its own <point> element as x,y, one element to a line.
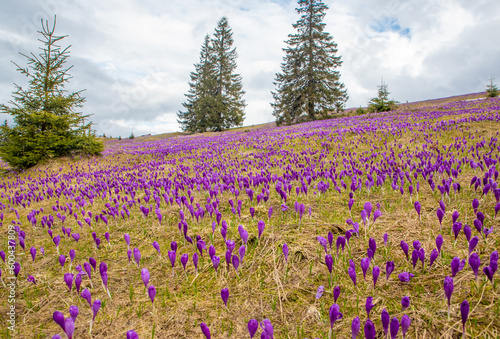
<point>134,57</point>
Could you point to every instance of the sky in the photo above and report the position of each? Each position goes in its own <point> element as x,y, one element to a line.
<point>134,57</point>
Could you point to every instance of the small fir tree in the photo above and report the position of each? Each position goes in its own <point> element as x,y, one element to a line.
<point>382,103</point>
<point>492,90</point>
<point>46,124</point>
<point>309,87</point>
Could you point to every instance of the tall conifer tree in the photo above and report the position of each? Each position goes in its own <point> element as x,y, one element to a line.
<point>200,104</point>
<point>46,123</point>
<point>215,99</point>
<point>309,87</point>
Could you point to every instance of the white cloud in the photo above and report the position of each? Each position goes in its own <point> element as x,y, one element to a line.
<point>134,57</point>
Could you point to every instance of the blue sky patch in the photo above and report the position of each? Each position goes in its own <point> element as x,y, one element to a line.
<point>390,24</point>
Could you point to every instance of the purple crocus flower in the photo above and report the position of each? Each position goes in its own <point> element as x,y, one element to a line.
<point>320,291</point>
<point>215,262</point>
<point>127,239</point>
<point>323,242</point>
<point>205,330</point>
<point>489,273</point>
<point>372,244</point>
<point>405,324</point>
<point>434,255</point>
<point>224,294</point>
<point>352,275</point>
<point>236,262</point>
<point>456,265</point>
<point>241,252</point>
<point>394,327</point>
<point>87,296</point>
<point>355,327</point>
<point>405,276</point>
<point>375,274</point>
<point>195,262</point>
<point>494,261</point>
<point>389,268</point>
<point>334,314</point>
<point>95,308</point>
<point>464,311</point>
<point>152,293</point>
<point>329,262</point>
<point>457,226</point>
<point>132,335</point>
<point>137,256</point>
<point>370,331</point>
<point>440,215</point>
<point>68,279</point>
<point>414,257</point>
<point>418,208</point>
<point>365,263</point>
<point>58,318</point>
<point>385,318</point>
<point>253,326</point>
<point>69,327</point>
<point>336,293</point>
<point>184,260</point>
<point>448,290</point>
<point>268,328</point>
<point>369,305</point>
<point>386,238</point>
<point>62,260</point>
<point>405,248</point>
<point>157,247</point>
<point>405,303</point>
<point>261,226</point>
<point>145,277</point>
<point>32,252</point>
<point>243,234</point>
<point>439,242</point>
<point>474,263</point>
<point>285,252</point>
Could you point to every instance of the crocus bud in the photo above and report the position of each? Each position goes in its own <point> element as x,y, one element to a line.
<point>375,274</point>
<point>152,293</point>
<point>394,327</point>
<point>336,293</point>
<point>334,314</point>
<point>369,305</point>
<point>389,268</point>
<point>405,303</point>
<point>385,319</point>
<point>145,277</point>
<point>405,324</point>
<point>405,248</point>
<point>253,326</point>
<point>464,311</point>
<point>370,331</point>
<point>224,294</point>
<point>355,327</point>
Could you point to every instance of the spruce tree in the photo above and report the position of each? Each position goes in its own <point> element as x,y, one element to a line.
<point>200,104</point>
<point>382,103</point>
<point>309,87</point>
<point>46,124</point>
<point>492,90</point>
<point>215,98</point>
<point>228,89</point>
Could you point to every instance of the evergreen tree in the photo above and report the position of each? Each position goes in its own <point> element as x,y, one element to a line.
<point>492,90</point>
<point>214,101</point>
<point>309,87</point>
<point>46,124</point>
<point>200,104</point>
<point>228,89</point>
<point>382,103</point>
